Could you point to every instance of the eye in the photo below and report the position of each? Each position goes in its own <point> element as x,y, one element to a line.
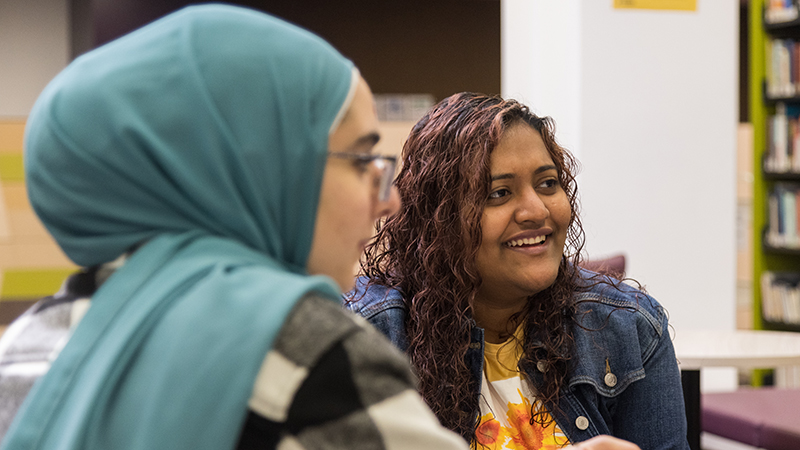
<point>549,185</point>
<point>499,193</point>
<point>362,164</point>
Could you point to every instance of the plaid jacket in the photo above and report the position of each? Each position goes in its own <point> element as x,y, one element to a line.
<point>330,381</point>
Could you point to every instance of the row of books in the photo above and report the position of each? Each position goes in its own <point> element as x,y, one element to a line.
<point>780,297</point>
<point>787,377</point>
<point>782,67</point>
<point>780,11</point>
<point>783,206</point>
<point>783,130</point>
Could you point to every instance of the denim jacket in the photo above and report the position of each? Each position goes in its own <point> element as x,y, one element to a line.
<point>639,399</point>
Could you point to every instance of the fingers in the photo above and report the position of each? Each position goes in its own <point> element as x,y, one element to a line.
<point>604,442</point>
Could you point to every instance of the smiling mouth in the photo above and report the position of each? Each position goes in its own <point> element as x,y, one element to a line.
<point>527,242</point>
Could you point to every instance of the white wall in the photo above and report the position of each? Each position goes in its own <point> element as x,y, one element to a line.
<point>648,99</point>
<point>34,47</point>
<point>540,57</point>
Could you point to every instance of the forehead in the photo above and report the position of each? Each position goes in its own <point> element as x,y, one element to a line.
<point>361,119</point>
<point>520,146</point>
<point>362,106</point>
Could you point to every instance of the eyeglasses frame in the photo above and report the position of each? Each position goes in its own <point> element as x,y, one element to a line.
<point>386,164</point>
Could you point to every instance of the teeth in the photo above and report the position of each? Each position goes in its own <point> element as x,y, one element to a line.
<point>526,241</point>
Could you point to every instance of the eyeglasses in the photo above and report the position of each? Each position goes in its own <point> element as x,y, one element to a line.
<point>385,165</point>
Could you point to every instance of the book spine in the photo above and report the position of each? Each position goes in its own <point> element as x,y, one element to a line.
<point>789,219</point>
<point>797,213</point>
<point>773,234</point>
<point>767,296</point>
<point>781,131</point>
<point>795,156</point>
<point>784,68</point>
<point>794,304</point>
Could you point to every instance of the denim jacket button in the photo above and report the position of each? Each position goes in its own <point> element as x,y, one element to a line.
<point>541,366</point>
<point>475,345</point>
<point>582,423</point>
<point>610,379</point>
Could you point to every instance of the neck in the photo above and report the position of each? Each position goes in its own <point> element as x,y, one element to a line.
<point>496,319</point>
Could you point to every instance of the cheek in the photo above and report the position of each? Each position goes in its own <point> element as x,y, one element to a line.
<point>492,227</point>
<point>359,200</point>
<point>354,208</point>
<point>348,201</point>
<point>561,212</point>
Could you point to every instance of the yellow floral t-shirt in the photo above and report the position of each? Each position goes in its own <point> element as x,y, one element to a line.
<point>506,399</point>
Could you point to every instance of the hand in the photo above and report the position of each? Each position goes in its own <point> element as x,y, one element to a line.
<point>603,442</point>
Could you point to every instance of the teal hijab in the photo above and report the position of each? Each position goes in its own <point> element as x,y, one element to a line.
<point>202,139</point>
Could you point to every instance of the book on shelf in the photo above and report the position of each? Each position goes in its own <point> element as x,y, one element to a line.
<point>783,131</point>
<point>778,11</point>
<point>787,377</point>
<point>783,210</point>
<point>783,67</point>
<point>780,297</point>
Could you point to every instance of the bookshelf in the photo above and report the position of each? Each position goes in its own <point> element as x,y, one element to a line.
<point>774,97</point>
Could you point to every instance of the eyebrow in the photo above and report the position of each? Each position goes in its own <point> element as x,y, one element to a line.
<point>506,176</point>
<point>368,140</point>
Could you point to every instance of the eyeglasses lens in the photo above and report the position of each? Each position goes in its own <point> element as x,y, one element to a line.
<point>386,166</point>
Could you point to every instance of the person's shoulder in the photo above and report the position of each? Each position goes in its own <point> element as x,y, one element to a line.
<point>330,374</point>
<point>316,328</point>
<point>368,300</point>
<point>603,299</point>
<point>383,307</point>
<point>31,342</point>
<point>315,324</point>
<point>618,328</point>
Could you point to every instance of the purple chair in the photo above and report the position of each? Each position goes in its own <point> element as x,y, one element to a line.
<point>612,266</point>
<point>767,418</point>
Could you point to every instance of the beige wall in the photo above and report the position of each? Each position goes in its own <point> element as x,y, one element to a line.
<point>33,49</point>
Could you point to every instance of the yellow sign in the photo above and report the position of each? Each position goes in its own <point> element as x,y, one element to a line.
<point>674,5</point>
<point>33,283</point>
<point>11,168</point>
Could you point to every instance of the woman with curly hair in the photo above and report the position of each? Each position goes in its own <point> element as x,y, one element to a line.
<point>477,278</point>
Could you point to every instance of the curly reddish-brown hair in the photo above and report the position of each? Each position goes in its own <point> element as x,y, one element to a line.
<point>427,251</point>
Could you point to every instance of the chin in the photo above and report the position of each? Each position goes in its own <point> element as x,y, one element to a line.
<point>543,283</point>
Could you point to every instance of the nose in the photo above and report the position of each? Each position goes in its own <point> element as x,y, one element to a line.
<point>389,206</point>
<point>531,208</point>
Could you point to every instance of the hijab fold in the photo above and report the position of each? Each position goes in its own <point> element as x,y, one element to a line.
<point>201,137</point>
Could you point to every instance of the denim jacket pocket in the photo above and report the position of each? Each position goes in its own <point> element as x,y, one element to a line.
<point>613,339</point>
<point>608,383</point>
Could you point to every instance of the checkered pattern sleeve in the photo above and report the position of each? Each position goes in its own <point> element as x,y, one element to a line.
<point>332,382</point>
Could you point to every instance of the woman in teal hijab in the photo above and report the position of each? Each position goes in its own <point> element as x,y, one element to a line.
<point>223,158</point>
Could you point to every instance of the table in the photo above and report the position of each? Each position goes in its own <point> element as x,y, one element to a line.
<point>743,349</point>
